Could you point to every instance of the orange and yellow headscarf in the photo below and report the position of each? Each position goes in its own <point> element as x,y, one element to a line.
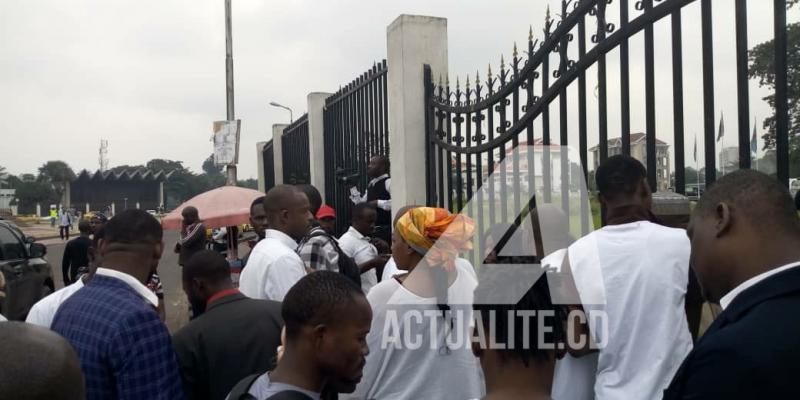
<point>436,234</point>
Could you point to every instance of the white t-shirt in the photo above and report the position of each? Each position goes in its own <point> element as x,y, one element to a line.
<point>43,312</point>
<point>390,269</point>
<point>262,389</point>
<point>574,377</point>
<point>358,247</point>
<point>406,361</point>
<point>272,268</point>
<point>639,272</point>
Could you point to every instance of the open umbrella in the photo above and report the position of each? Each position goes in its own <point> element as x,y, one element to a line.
<point>223,206</point>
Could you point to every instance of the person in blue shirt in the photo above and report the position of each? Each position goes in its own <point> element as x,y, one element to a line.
<point>124,348</point>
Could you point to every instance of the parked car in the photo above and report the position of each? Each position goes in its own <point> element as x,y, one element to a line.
<point>28,276</point>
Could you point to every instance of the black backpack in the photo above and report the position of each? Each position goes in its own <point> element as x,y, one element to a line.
<point>347,266</point>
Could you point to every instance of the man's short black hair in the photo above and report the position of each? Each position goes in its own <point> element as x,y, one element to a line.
<point>492,305</point>
<point>280,197</point>
<point>361,208</point>
<point>84,226</point>
<point>619,175</point>
<point>257,202</point>
<point>133,227</point>
<point>758,197</point>
<point>383,160</point>
<point>207,264</point>
<point>314,198</point>
<point>321,297</point>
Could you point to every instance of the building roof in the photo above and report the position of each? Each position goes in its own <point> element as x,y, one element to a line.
<point>638,137</point>
<point>140,174</point>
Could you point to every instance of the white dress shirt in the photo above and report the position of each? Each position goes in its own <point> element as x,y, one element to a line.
<point>134,283</point>
<point>43,312</point>
<point>358,247</point>
<point>272,268</point>
<point>356,197</point>
<point>726,300</point>
<point>632,280</point>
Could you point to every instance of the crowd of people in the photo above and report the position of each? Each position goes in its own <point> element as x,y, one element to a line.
<point>406,315</point>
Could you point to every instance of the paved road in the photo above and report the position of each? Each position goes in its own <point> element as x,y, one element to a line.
<point>177,306</point>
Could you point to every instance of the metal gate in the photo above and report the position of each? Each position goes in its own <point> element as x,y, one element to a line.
<point>470,129</point>
<point>296,163</point>
<point>356,129</point>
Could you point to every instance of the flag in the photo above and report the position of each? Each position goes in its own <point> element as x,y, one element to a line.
<point>754,141</point>
<point>721,128</point>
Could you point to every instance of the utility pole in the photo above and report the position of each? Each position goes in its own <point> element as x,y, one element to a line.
<point>231,169</point>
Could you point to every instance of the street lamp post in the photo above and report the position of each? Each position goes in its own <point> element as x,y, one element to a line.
<point>274,104</point>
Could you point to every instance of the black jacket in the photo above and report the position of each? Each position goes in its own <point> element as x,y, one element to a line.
<point>752,350</point>
<point>235,337</point>
<point>76,255</point>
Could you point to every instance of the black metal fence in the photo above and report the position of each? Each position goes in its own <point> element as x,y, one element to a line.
<point>471,130</point>
<point>268,157</point>
<point>356,129</point>
<point>296,163</point>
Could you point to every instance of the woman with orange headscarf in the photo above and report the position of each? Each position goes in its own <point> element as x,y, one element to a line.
<point>420,336</point>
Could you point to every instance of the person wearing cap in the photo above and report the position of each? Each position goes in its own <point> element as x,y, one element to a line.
<point>317,249</point>
<point>326,216</point>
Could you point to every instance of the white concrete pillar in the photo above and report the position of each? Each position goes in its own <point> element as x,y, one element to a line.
<point>67,200</point>
<point>137,205</point>
<point>39,210</point>
<point>316,140</point>
<point>260,160</point>
<point>161,194</point>
<point>87,208</point>
<point>412,41</point>
<point>277,147</point>
<point>113,209</point>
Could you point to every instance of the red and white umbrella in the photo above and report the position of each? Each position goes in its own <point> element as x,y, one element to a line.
<point>223,206</point>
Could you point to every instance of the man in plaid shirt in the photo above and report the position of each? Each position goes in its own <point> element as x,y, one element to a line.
<point>317,249</point>
<point>124,348</point>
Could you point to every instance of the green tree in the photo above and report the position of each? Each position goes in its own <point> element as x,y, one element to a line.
<point>128,168</point>
<point>248,183</point>
<point>57,174</point>
<point>160,164</point>
<point>762,66</point>
<point>210,168</point>
<point>30,193</point>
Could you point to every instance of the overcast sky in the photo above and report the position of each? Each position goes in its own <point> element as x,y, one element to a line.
<point>149,76</point>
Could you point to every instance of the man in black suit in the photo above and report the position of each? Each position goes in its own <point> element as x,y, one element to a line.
<point>233,337</point>
<point>745,234</point>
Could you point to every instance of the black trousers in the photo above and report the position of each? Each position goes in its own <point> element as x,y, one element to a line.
<point>63,231</point>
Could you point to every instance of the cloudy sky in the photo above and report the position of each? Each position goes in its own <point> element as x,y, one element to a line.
<point>149,75</point>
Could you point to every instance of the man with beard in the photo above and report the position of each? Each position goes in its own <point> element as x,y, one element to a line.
<point>232,337</point>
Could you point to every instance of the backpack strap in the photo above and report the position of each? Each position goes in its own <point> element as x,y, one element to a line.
<point>289,395</point>
<point>242,389</point>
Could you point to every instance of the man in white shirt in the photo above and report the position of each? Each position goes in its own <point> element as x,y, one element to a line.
<point>744,233</point>
<point>273,266</point>
<point>357,245</point>
<point>43,312</point>
<point>632,276</point>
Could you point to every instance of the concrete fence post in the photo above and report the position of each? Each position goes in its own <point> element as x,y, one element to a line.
<point>260,161</point>
<point>412,41</point>
<point>316,140</point>
<point>277,148</point>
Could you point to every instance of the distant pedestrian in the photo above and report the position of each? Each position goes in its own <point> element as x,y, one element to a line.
<point>124,348</point>
<point>53,217</point>
<point>356,243</point>
<point>76,254</point>
<point>64,223</point>
<point>744,233</point>
<point>38,364</point>
<point>232,338</point>
<point>193,235</point>
<point>327,319</point>
<point>274,267</point>
<point>43,312</point>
